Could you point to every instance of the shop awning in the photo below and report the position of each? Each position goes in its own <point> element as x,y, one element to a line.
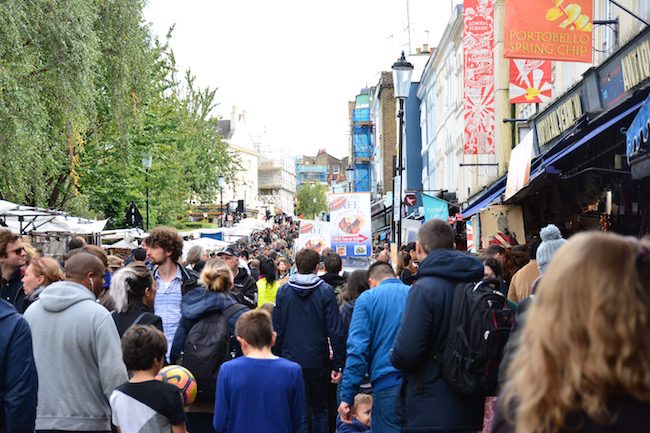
<point>489,197</point>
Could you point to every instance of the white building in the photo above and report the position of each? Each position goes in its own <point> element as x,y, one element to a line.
<point>277,180</point>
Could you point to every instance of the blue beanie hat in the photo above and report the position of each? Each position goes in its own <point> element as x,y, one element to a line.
<point>552,240</point>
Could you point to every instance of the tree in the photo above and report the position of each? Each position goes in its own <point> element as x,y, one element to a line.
<point>311,200</point>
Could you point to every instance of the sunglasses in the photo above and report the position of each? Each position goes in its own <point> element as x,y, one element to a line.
<point>18,251</point>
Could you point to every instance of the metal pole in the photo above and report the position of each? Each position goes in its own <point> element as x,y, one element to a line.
<point>147,182</point>
<point>221,216</point>
<point>400,169</point>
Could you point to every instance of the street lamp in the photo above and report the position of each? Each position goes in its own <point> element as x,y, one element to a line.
<point>146,163</point>
<point>349,176</point>
<point>221,183</point>
<point>402,71</point>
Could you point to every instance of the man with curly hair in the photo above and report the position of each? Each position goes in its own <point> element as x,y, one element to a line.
<point>12,258</point>
<point>164,249</point>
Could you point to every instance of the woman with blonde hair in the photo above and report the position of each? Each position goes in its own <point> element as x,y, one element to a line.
<point>40,273</point>
<point>213,296</point>
<point>583,360</point>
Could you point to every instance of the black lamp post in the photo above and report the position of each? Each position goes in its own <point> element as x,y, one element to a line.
<point>402,71</point>
<point>221,183</point>
<point>146,163</point>
<point>349,176</point>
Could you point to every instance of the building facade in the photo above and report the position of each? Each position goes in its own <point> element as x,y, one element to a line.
<point>277,181</point>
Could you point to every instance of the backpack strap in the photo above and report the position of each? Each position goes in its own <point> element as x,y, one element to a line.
<point>138,319</point>
<point>228,312</point>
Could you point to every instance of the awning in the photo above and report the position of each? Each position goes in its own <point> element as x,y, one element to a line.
<point>489,197</point>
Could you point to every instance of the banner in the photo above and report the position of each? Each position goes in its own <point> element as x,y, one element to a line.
<point>549,30</point>
<point>350,220</point>
<point>314,235</point>
<point>478,77</point>
<point>434,208</point>
<point>519,167</point>
<point>469,230</point>
<point>530,81</point>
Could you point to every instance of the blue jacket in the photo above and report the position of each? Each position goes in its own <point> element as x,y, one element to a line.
<point>19,385</point>
<point>306,314</point>
<point>355,427</point>
<point>194,305</point>
<point>375,321</point>
<point>428,404</point>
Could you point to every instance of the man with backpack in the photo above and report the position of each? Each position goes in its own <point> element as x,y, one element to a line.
<point>428,402</point>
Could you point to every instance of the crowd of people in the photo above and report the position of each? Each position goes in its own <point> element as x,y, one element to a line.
<point>304,346</point>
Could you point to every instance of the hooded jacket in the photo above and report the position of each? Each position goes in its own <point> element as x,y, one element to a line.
<point>306,315</point>
<point>335,280</point>
<point>78,358</point>
<point>428,404</point>
<point>17,372</point>
<point>245,289</point>
<point>194,305</point>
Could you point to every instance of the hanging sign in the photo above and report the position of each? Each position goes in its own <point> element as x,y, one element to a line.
<point>314,235</point>
<point>530,81</point>
<point>519,167</point>
<point>478,77</point>
<point>549,30</point>
<point>350,220</point>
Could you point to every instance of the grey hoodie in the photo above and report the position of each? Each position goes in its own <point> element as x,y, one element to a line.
<point>78,358</point>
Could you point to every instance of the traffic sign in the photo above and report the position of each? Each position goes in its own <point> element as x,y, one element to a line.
<point>410,199</point>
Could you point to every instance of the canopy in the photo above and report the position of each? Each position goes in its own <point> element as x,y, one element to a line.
<point>26,219</point>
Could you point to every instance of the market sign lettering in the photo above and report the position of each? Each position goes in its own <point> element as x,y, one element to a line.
<point>636,65</point>
<point>559,120</point>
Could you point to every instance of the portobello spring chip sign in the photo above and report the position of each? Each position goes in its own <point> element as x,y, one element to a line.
<point>549,30</point>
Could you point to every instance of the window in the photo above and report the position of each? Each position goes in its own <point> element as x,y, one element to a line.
<point>336,169</point>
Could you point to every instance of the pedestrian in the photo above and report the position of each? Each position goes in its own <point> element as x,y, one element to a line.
<point>375,321</point>
<point>406,268</point>
<point>143,403</point>
<point>523,279</point>
<point>356,285</point>
<point>76,350</point>
<point>12,258</point>
<point>267,285</point>
<point>333,267</point>
<point>307,324</point>
<point>258,392</point>
<point>245,289</point>
<point>114,263</point>
<point>360,416</point>
<point>284,267</point>
<point>164,249</point>
<point>40,273</point>
<point>134,291</point>
<point>428,404</point>
<point>584,353</point>
<point>18,377</point>
<point>215,295</point>
<point>196,254</point>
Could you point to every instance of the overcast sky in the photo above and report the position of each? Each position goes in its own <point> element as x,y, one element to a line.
<point>294,64</point>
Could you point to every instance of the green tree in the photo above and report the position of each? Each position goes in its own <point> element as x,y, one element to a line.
<point>311,200</point>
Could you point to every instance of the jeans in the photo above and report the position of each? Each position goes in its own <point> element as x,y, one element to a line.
<point>316,386</point>
<point>384,416</point>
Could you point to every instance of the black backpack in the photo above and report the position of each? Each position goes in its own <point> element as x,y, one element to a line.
<point>480,325</point>
<point>207,346</point>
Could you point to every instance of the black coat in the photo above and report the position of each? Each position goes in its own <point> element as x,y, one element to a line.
<point>12,291</point>
<point>245,289</point>
<point>427,403</point>
<point>124,320</point>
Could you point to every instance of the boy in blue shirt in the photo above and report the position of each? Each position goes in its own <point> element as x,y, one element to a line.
<point>258,391</point>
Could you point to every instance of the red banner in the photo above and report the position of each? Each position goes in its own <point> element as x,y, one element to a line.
<point>530,81</point>
<point>549,30</point>
<point>478,76</point>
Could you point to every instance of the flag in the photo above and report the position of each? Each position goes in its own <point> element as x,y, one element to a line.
<point>434,208</point>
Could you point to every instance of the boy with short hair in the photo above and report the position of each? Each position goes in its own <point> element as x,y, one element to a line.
<point>258,391</point>
<point>360,411</point>
<point>144,403</point>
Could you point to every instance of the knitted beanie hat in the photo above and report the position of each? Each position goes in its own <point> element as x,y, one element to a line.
<point>552,240</point>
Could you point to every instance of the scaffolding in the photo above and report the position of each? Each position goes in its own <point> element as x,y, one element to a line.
<point>362,142</point>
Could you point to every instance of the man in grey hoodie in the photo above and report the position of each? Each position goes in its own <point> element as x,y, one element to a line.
<point>76,349</point>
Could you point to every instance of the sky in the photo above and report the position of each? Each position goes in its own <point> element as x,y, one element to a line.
<point>293,65</point>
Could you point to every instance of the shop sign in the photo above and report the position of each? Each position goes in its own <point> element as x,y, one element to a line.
<point>314,235</point>
<point>530,81</point>
<point>637,140</point>
<point>610,84</point>
<point>351,220</point>
<point>636,65</point>
<point>557,30</point>
<point>478,77</point>
<point>519,167</point>
<point>559,119</point>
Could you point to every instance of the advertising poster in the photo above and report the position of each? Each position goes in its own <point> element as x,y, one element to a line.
<point>350,221</point>
<point>519,167</point>
<point>478,77</point>
<point>530,81</point>
<point>314,235</point>
<point>549,30</point>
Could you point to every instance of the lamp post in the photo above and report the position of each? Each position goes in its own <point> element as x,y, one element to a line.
<point>402,71</point>
<point>349,176</point>
<point>221,183</point>
<point>146,163</point>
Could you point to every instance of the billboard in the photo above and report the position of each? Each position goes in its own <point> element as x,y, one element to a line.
<point>351,228</point>
<point>549,30</point>
<point>314,235</point>
<point>530,81</point>
<point>478,77</point>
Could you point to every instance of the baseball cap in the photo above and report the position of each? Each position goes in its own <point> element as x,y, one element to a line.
<point>229,251</point>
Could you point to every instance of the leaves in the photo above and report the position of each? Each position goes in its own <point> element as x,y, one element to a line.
<point>85,93</point>
<point>311,200</point>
